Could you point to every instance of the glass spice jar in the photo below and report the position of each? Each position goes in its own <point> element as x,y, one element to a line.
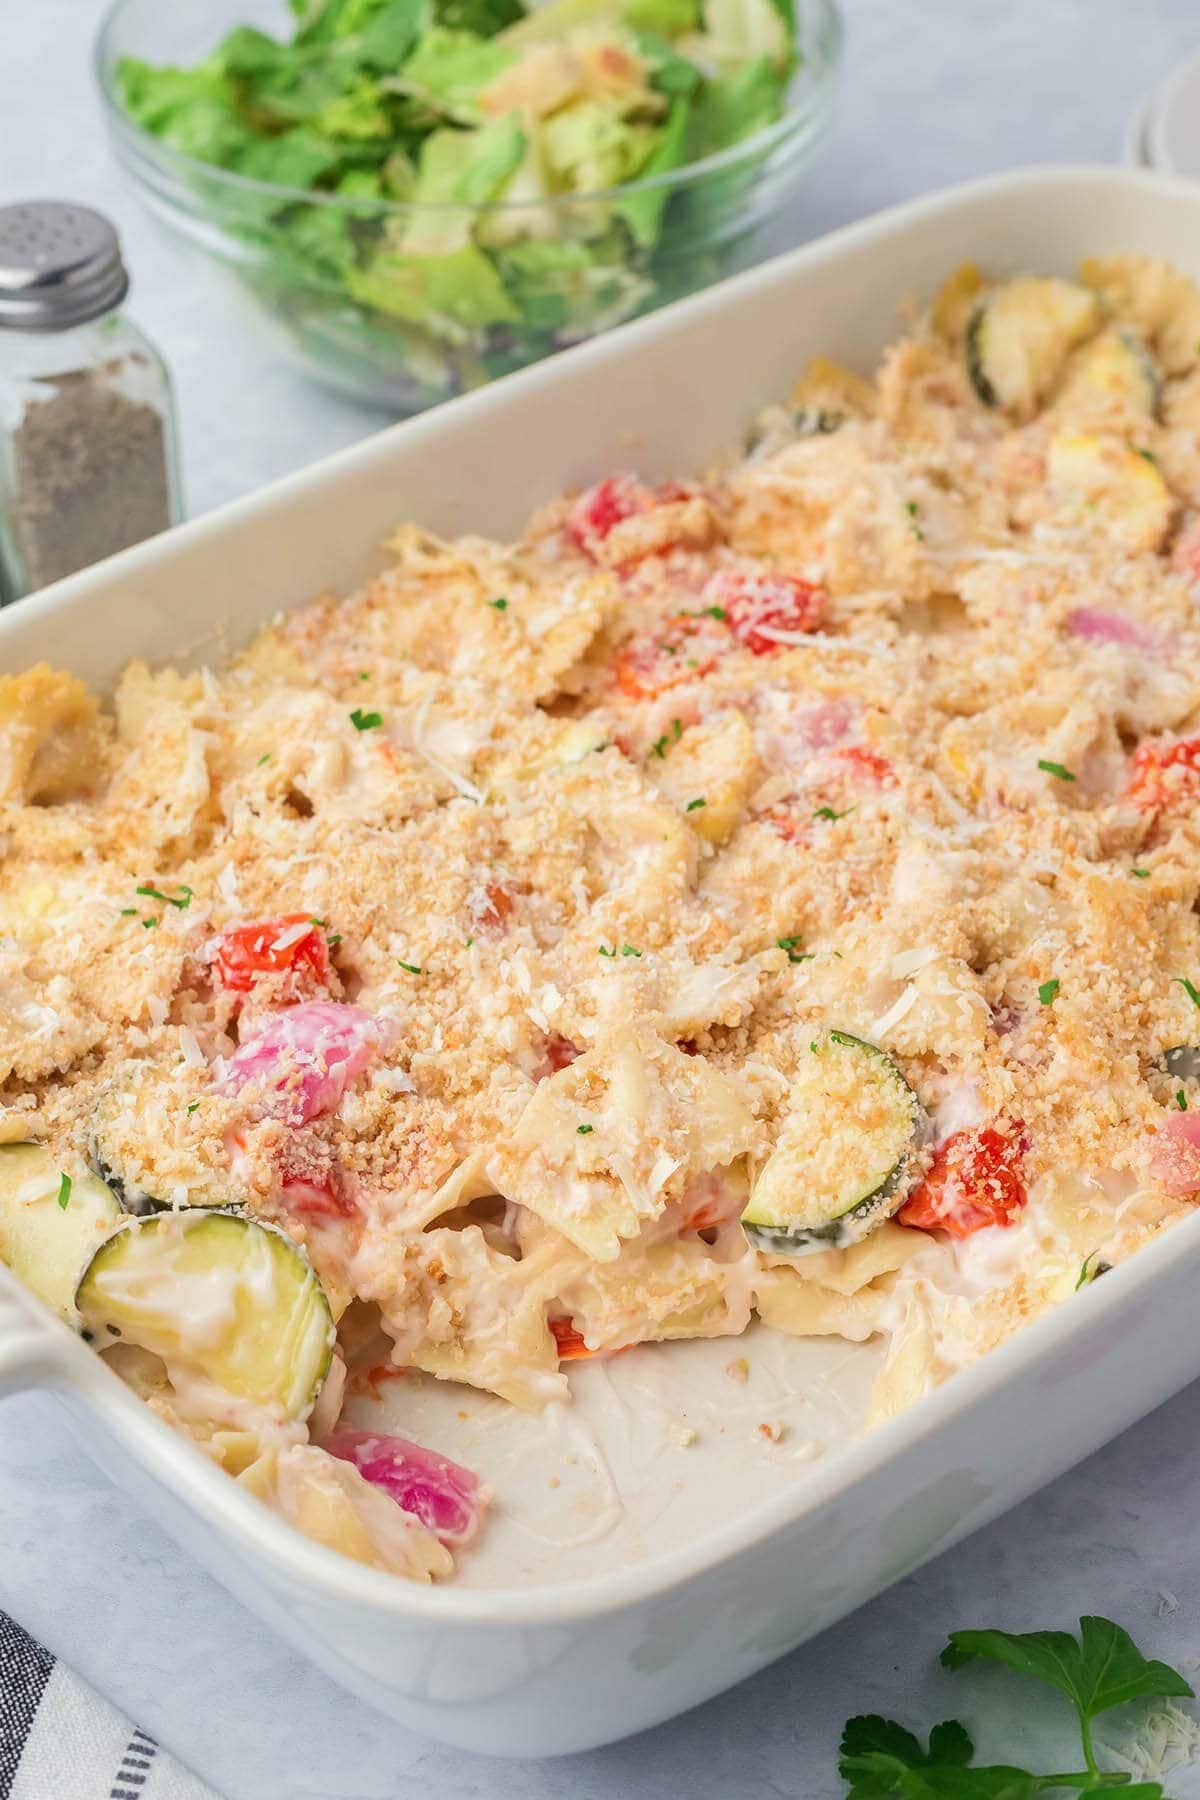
<point>88,456</point>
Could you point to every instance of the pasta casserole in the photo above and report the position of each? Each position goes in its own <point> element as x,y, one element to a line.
<point>770,894</point>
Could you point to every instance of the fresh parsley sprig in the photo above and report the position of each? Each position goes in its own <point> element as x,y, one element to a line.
<point>1102,1668</point>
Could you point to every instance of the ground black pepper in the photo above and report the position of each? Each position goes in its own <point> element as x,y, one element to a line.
<point>89,473</point>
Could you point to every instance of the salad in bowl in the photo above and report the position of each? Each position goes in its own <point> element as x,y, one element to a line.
<point>429,193</point>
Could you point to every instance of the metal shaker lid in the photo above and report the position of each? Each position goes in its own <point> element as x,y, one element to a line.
<point>60,265</point>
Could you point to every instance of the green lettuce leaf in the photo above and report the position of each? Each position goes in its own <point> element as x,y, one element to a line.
<point>190,109</point>
<point>669,73</point>
<point>643,212</point>
<point>293,159</point>
<point>358,114</point>
<point>734,107</point>
<point>571,289</point>
<point>484,17</point>
<point>325,21</point>
<point>669,18</point>
<point>452,297</point>
<point>588,147</point>
<point>448,68</point>
<point>391,34</point>
<point>739,31</point>
<point>459,170</point>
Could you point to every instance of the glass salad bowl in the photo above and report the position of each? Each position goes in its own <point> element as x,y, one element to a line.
<point>421,195</point>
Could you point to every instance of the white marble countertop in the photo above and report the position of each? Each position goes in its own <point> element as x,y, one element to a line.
<point>934,91</point>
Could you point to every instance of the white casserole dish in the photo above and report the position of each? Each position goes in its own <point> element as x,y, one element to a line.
<point>685,1567</point>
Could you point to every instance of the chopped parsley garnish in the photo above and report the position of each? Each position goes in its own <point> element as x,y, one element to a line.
<point>153,893</point>
<point>814,1046</point>
<point>583,1130</point>
<point>671,649</point>
<point>827,812</point>
<point>321,924</point>
<point>470,941</point>
<point>1090,1269</point>
<point>705,612</point>
<point>193,1106</point>
<point>1140,874</point>
<point>364,675</point>
<point>264,758</point>
<point>1149,455</point>
<point>365,721</point>
<point>1055,769</point>
<point>1048,991</point>
<point>334,938</point>
<point>1181,1100</point>
<point>661,745</point>
<point>149,924</point>
<point>499,605</point>
<point>129,912</point>
<point>413,968</point>
<point>1188,988</point>
<point>603,951</point>
<point>793,955</point>
<point>628,950</point>
<point>64,1191</point>
<point>914,511</point>
<point>696,804</point>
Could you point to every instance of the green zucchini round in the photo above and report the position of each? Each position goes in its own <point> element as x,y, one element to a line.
<point>51,1221</point>
<point>847,1155</point>
<point>138,1144</point>
<point>218,1296</point>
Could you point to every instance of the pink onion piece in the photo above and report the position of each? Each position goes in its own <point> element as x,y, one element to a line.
<point>305,1058</point>
<point>1101,627</point>
<point>825,724</point>
<point>449,1500</point>
<point>1175,1158</point>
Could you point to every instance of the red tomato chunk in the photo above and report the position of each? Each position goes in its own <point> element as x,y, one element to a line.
<point>684,649</point>
<point>977,1179</point>
<point>601,507</point>
<point>291,944</point>
<point>757,605</point>
<point>571,1344</point>
<point>1162,772</point>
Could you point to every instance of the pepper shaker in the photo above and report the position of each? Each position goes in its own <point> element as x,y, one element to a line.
<point>88,456</point>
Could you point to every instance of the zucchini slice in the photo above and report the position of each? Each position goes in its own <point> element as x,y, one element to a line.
<point>50,1226</point>
<point>139,1144</point>
<point>219,1297</point>
<point>1019,337</point>
<point>847,1155</point>
<point>1115,370</point>
<point>1095,481</point>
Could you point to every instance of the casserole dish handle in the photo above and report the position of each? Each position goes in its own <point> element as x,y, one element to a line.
<point>32,1342</point>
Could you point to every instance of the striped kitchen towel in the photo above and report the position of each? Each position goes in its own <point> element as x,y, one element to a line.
<point>60,1741</point>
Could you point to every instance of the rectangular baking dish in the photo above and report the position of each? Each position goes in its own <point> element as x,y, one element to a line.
<point>708,1562</point>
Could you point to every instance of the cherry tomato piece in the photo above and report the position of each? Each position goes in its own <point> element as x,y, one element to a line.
<point>292,944</point>
<point>977,1179</point>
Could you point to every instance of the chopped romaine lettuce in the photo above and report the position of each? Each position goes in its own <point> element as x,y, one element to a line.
<point>740,31</point>
<point>493,126</point>
<point>588,147</point>
<point>448,68</point>
<point>450,296</point>
<point>642,211</point>
<point>459,170</point>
